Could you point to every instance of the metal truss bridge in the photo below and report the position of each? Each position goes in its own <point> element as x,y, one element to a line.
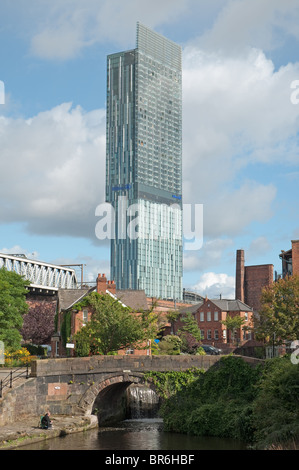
<point>42,276</point>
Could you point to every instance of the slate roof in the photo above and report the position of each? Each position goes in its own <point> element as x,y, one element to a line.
<point>226,305</point>
<point>68,297</point>
<point>135,299</point>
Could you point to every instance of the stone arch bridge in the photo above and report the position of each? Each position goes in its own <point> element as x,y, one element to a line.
<point>76,386</point>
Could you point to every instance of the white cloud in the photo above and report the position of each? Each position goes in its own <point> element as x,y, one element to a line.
<point>54,170</point>
<point>211,255</point>
<point>18,250</point>
<point>232,212</point>
<point>236,104</point>
<point>61,30</point>
<point>71,25</point>
<point>213,285</point>
<point>259,23</point>
<point>258,246</point>
<point>58,44</point>
<point>236,113</point>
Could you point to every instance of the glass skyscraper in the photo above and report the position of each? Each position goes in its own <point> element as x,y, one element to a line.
<point>144,165</point>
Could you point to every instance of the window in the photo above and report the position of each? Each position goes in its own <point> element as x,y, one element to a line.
<point>209,334</point>
<point>216,334</point>
<point>202,334</point>
<point>85,316</point>
<point>202,316</point>
<point>215,316</point>
<point>208,316</point>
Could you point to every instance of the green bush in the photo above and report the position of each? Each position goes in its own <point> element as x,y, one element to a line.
<point>276,407</point>
<point>82,343</point>
<point>170,383</point>
<point>259,405</point>
<point>170,345</point>
<point>36,350</point>
<point>217,403</point>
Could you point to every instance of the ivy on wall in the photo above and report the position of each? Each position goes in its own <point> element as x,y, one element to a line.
<point>65,329</point>
<point>170,382</point>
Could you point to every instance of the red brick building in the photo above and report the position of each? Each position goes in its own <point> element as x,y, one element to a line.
<point>290,260</point>
<point>209,314</point>
<point>250,280</point>
<point>68,298</point>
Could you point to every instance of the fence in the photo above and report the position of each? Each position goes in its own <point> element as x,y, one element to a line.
<point>12,377</point>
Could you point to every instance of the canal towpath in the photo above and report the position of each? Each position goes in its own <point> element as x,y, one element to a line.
<point>28,430</point>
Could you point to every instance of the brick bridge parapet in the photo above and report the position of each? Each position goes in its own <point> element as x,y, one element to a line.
<point>71,386</point>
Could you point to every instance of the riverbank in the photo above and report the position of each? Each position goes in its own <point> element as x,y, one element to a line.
<point>28,431</point>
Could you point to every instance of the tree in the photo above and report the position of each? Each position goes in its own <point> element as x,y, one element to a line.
<point>170,345</point>
<point>113,326</point>
<point>38,323</point>
<point>190,334</point>
<point>172,318</point>
<point>233,323</point>
<point>278,319</point>
<point>13,307</point>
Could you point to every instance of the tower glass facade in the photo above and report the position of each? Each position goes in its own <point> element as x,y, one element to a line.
<point>144,165</point>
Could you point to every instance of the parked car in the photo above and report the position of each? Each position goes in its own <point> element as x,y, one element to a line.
<point>208,349</point>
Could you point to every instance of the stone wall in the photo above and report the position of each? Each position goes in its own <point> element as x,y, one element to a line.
<point>70,386</point>
<point>119,363</point>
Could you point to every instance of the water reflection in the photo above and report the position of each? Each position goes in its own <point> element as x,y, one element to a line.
<point>143,434</point>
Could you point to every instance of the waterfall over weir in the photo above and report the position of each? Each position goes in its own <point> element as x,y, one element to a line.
<point>142,402</point>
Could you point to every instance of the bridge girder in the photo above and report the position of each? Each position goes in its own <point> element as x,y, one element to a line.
<point>40,275</point>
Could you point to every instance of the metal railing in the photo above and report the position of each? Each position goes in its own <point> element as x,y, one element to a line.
<point>12,376</point>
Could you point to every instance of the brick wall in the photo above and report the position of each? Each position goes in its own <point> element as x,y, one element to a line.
<point>250,280</point>
<point>295,257</point>
<point>255,279</point>
<point>209,317</point>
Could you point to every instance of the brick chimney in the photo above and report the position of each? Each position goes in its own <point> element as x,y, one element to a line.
<point>295,257</point>
<point>111,287</point>
<point>240,273</point>
<point>101,284</point>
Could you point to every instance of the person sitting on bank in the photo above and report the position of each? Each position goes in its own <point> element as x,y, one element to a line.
<point>46,422</point>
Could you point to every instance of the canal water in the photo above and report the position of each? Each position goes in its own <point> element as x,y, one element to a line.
<point>135,434</point>
<point>141,430</point>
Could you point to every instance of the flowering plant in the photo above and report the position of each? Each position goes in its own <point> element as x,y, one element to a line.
<point>18,358</point>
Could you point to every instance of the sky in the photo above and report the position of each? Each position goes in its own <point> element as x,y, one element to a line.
<point>240,127</point>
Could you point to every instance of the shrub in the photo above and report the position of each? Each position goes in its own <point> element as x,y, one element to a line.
<point>259,405</point>
<point>18,358</point>
<point>218,403</point>
<point>82,342</point>
<point>276,407</point>
<point>170,345</point>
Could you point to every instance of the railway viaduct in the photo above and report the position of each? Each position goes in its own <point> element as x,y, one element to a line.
<point>78,386</point>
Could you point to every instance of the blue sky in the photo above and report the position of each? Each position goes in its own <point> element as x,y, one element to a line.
<point>240,127</point>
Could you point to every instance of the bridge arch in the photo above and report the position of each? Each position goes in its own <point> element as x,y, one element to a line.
<point>106,398</point>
